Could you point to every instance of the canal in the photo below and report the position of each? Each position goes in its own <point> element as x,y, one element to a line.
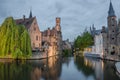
<point>57,68</point>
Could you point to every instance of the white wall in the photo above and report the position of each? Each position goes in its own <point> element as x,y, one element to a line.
<point>99,44</point>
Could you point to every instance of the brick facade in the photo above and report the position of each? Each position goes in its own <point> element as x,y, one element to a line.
<point>33,29</point>
<point>50,39</point>
<point>53,37</point>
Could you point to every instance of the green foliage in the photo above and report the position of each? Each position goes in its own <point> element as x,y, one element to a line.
<point>67,53</point>
<point>14,40</point>
<point>81,66</point>
<point>17,54</point>
<point>13,70</point>
<point>83,41</point>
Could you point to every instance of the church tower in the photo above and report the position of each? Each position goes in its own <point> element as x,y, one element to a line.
<point>58,27</point>
<point>118,26</point>
<point>112,26</point>
<point>59,34</point>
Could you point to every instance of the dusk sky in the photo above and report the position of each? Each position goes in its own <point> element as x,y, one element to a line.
<point>75,15</point>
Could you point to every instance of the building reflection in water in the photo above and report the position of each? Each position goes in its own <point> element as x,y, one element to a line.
<point>97,65</point>
<point>52,68</point>
<point>49,70</point>
<point>57,68</point>
<point>46,69</point>
<point>84,66</point>
<point>99,69</point>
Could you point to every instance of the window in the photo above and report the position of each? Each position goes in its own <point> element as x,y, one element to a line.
<point>39,38</point>
<point>113,52</point>
<point>36,37</point>
<point>112,19</point>
<point>112,38</point>
<point>113,47</point>
<point>113,25</point>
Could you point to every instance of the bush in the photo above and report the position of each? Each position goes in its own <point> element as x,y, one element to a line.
<point>67,53</point>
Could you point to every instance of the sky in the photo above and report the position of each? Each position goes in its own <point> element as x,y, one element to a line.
<point>76,15</point>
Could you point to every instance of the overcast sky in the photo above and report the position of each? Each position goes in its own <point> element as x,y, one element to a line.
<point>75,15</point>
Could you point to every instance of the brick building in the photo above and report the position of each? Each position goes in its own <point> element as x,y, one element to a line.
<point>53,38</point>
<point>32,26</point>
<point>50,39</point>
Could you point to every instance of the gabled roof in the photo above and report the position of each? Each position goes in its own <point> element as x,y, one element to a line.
<point>97,32</point>
<point>111,11</point>
<point>26,22</point>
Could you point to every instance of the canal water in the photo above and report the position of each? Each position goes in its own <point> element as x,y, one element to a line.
<point>57,68</point>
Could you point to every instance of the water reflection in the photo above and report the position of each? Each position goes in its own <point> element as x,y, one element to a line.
<point>50,69</point>
<point>46,69</point>
<point>12,71</point>
<point>99,69</point>
<point>57,68</point>
<point>80,64</point>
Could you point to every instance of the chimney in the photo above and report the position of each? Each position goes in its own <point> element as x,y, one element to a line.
<point>58,21</point>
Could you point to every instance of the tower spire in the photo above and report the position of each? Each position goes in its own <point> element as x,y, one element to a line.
<point>111,11</point>
<point>30,16</point>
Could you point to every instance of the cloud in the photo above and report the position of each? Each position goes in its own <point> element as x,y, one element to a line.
<point>75,15</point>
